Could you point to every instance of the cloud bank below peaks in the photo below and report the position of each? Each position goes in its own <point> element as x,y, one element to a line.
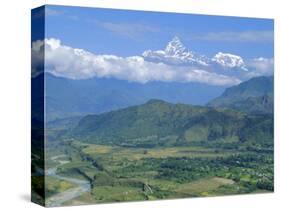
<point>174,64</point>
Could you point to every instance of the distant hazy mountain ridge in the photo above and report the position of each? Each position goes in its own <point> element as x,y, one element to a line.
<point>254,96</point>
<point>67,97</point>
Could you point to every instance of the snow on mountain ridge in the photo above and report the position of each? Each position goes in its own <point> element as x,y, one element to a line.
<point>175,47</point>
<point>175,53</point>
<point>227,60</point>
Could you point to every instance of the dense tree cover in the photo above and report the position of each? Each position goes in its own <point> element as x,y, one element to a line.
<point>158,123</point>
<point>250,170</point>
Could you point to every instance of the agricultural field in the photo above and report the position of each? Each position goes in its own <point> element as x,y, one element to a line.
<point>116,173</point>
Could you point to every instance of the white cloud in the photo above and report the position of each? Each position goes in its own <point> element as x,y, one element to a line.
<point>37,55</point>
<point>243,36</point>
<point>65,61</point>
<point>260,66</point>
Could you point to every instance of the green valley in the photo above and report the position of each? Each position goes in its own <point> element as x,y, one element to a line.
<point>160,150</point>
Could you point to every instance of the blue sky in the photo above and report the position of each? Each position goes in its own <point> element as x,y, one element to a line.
<point>82,43</point>
<point>127,33</point>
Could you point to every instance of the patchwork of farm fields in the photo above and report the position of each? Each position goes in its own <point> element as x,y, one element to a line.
<point>117,173</point>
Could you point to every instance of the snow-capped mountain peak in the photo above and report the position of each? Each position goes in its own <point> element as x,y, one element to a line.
<point>175,47</point>
<point>227,60</point>
<point>175,53</point>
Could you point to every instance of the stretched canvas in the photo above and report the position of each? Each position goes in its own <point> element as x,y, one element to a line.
<point>134,105</point>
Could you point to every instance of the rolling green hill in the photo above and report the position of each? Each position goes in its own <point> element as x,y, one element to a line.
<point>254,96</point>
<point>158,123</point>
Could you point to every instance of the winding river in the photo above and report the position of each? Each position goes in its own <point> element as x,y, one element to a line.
<point>82,187</point>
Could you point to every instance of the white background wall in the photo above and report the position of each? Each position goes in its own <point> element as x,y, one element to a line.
<point>15,104</point>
